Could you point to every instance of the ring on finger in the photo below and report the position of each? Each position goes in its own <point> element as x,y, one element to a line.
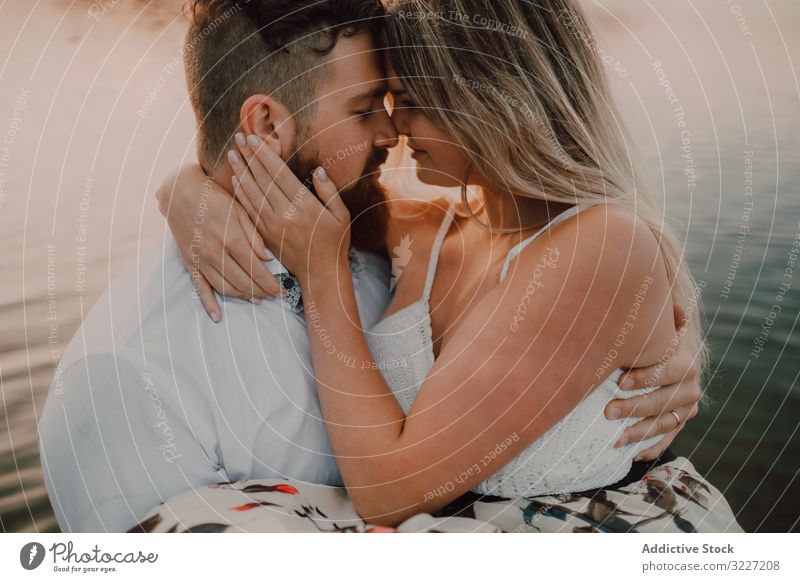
<point>677,418</point>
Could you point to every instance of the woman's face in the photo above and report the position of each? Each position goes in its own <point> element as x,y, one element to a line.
<point>440,161</point>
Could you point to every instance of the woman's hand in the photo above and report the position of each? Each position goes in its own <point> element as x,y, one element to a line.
<point>304,232</point>
<point>679,396</point>
<point>218,243</point>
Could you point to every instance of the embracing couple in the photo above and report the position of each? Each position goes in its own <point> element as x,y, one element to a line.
<point>527,369</point>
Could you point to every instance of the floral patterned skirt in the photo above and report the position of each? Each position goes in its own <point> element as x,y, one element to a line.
<point>671,497</point>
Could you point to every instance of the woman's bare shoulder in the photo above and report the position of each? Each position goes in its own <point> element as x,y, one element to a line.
<point>608,257</point>
<point>409,217</point>
<point>610,228</point>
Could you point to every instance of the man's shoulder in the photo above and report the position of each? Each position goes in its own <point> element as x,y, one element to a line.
<point>133,305</point>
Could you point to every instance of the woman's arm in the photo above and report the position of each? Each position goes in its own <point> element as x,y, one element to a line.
<point>494,382</point>
<point>218,243</point>
<point>678,376</point>
<point>495,386</point>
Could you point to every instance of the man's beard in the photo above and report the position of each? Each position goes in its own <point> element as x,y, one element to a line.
<point>365,199</point>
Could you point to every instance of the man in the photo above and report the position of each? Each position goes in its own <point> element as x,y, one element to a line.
<point>155,399</point>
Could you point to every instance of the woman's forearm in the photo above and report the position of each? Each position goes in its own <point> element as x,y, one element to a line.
<point>363,416</point>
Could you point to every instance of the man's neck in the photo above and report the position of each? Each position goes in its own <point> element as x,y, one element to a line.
<point>221,175</point>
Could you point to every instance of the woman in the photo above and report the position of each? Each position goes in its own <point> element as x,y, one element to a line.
<point>493,363</point>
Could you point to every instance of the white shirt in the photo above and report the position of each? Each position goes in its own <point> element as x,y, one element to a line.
<point>152,398</point>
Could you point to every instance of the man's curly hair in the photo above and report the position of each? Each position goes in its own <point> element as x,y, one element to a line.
<point>238,48</point>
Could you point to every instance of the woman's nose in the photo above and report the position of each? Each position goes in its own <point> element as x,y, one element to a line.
<point>399,121</point>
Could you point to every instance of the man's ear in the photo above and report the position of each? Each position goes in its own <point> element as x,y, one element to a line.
<point>270,120</point>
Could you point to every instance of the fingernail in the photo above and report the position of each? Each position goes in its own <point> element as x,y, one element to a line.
<point>253,141</point>
<point>235,182</point>
<point>240,139</point>
<point>614,412</point>
<point>621,442</point>
<point>322,174</point>
<point>270,256</point>
<point>637,458</point>
<point>215,317</point>
<point>233,157</point>
<point>627,383</point>
<point>255,301</point>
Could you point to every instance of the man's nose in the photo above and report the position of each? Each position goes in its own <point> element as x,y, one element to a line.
<point>386,136</point>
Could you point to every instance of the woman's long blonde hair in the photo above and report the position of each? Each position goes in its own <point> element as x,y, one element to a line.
<point>519,86</point>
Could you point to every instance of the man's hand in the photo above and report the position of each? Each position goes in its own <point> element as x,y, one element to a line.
<point>667,409</point>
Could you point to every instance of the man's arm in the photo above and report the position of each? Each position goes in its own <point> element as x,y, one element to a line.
<point>218,244</point>
<point>112,447</point>
<point>664,411</point>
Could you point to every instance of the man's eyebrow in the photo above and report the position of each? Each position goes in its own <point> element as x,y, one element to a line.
<point>377,92</point>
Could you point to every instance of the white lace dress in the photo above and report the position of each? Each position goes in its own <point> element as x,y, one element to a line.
<point>577,454</point>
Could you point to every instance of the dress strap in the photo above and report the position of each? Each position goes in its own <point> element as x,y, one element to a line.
<point>523,245</point>
<point>435,251</point>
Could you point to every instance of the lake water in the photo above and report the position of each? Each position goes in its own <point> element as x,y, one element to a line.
<point>93,114</point>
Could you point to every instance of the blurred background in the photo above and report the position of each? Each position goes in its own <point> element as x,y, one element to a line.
<point>93,115</point>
